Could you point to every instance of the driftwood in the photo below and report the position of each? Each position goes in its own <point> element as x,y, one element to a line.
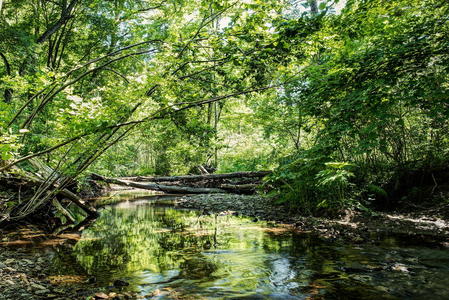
<point>159,187</point>
<point>257,174</point>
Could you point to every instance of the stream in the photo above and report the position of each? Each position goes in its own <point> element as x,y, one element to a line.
<point>168,253</point>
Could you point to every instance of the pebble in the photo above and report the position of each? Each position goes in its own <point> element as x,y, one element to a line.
<point>42,292</point>
<point>38,286</point>
<point>101,296</point>
<point>400,268</point>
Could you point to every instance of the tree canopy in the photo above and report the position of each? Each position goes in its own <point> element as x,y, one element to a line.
<point>346,100</point>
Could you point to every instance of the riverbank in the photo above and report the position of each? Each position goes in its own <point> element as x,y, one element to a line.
<point>421,226</point>
<point>27,271</point>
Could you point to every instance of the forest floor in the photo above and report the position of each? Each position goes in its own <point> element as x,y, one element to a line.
<point>423,226</point>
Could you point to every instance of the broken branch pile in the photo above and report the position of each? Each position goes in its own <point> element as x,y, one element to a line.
<point>23,193</point>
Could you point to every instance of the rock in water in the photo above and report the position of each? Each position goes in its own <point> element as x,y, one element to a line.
<point>120,283</point>
<point>92,280</point>
<point>399,268</point>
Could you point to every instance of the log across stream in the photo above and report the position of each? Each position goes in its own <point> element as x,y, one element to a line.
<point>239,183</point>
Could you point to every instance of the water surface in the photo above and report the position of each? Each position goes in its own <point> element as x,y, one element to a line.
<point>169,253</point>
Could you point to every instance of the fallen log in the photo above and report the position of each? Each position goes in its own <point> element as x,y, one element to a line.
<point>159,187</point>
<point>256,174</point>
<point>246,189</point>
<point>239,187</point>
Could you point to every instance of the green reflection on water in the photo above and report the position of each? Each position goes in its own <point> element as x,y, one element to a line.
<point>226,257</point>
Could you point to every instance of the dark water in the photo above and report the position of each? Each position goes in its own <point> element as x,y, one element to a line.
<point>180,254</point>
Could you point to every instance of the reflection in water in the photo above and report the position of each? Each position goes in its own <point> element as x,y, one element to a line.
<point>179,254</point>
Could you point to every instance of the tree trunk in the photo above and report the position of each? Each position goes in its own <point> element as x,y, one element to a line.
<point>159,187</point>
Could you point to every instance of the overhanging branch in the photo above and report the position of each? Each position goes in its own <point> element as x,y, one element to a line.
<point>161,113</point>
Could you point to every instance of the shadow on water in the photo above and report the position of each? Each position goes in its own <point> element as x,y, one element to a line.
<point>168,253</point>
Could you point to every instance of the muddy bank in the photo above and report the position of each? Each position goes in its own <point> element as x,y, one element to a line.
<point>353,226</point>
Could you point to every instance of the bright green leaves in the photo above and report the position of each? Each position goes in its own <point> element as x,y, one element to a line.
<point>372,80</point>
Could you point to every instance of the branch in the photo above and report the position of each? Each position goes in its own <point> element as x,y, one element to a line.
<point>153,7</point>
<point>5,61</point>
<point>8,91</point>
<point>203,70</point>
<point>156,115</point>
<point>49,97</point>
<point>206,21</point>
<point>88,72</point>
<point>111,54</point>
<point>65,16</point>
<point>161,113</point>
<point>118,74</point>
<point>28,103</point>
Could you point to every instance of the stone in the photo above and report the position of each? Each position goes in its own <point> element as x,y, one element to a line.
<point>101,296</point>
<point>27,261</point>
<point>400,268</point>
<point>382,288</point>
<point>38,286</point>
<point>25,296</point>
<point>120,283</point>
<point>24,278</point>
<point>42,292</point>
